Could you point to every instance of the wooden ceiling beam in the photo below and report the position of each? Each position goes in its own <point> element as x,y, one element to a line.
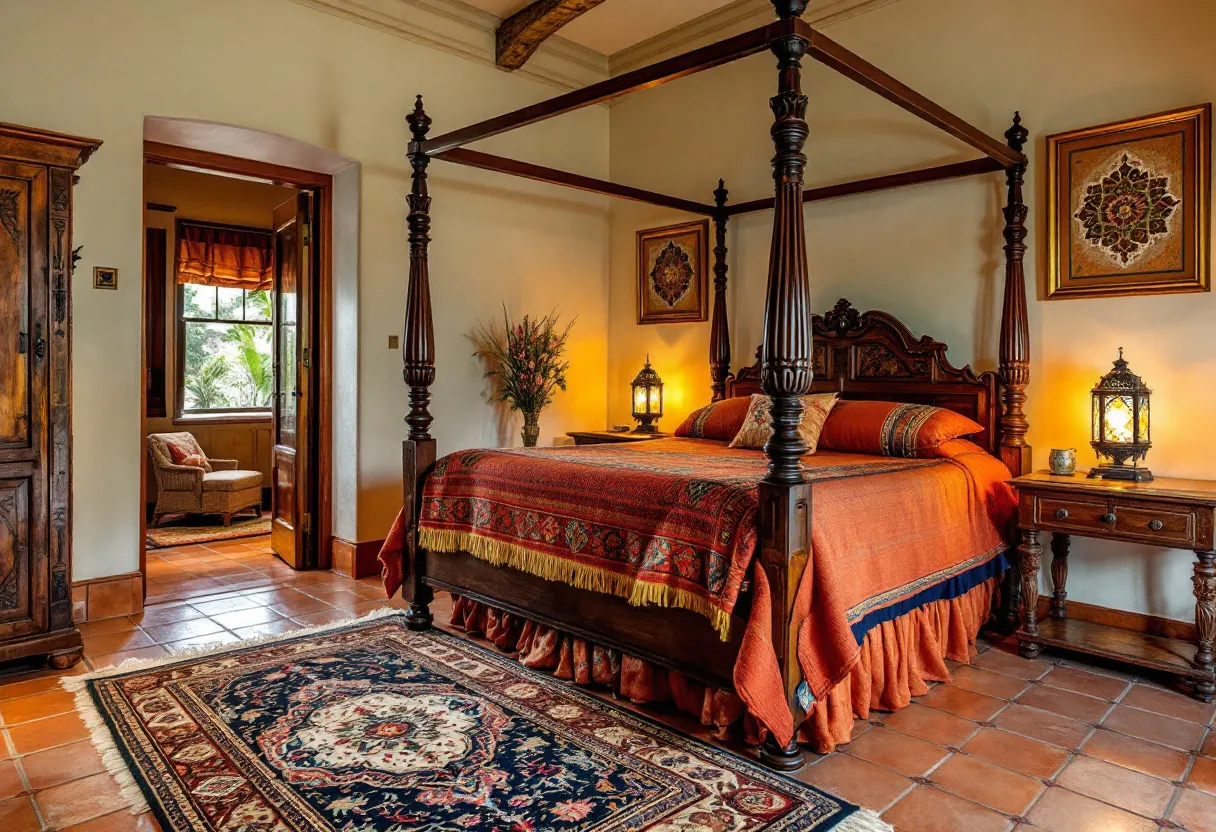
<point>522,33</point>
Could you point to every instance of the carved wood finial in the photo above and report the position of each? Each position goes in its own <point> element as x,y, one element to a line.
<point>787,310</point>
<point>719,327</point>
<point>842,318</point>
<point>1015,328</point>
<point>1017,135</point>
<point>418,349</point>
<point>789,8</point>
<point>419,121</point>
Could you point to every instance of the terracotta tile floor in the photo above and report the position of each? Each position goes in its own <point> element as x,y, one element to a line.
<point>1053,744</point>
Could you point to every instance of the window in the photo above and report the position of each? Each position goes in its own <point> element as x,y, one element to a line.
<point>224,349</point>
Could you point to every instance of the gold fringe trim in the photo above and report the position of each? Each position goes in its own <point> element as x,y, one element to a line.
<point>552,568</point>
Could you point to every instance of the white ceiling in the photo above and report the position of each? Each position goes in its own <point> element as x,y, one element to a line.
<point>617,24</point>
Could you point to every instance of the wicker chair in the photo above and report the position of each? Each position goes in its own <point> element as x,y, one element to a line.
<point>187,489</point>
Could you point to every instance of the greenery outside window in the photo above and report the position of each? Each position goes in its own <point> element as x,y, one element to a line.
<point>224,347</point>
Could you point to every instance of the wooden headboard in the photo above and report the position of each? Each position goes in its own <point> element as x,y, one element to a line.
<point>872,355</point>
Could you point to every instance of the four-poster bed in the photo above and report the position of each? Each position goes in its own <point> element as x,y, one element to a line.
<point>860,356</point>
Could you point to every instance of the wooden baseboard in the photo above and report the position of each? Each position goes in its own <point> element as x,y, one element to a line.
<point>355,560</point>
<point>1136,622</point>
<point>108,597</point>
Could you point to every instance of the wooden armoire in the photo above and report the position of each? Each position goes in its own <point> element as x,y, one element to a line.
<point>37,173</point>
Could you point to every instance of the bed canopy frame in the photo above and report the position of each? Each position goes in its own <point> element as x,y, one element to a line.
<point>797,346</point>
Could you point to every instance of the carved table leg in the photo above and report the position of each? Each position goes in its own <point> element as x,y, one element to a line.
<point>1204,581</point>
<point>1059,574</point>
<point>1029,552</point>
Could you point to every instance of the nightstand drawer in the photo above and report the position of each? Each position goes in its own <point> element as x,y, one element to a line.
<point>1169,525</point>
<point>1069,514</point>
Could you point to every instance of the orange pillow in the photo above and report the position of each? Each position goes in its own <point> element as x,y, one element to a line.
<point>891,428</point>
<point>718,420</point>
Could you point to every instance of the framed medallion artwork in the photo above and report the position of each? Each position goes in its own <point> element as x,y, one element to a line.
<point>1128,207</point>
<point>672,274</point>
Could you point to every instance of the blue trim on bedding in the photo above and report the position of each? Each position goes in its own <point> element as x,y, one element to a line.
<point>960,584</point>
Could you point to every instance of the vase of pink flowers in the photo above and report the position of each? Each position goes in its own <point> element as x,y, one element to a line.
<point>526,364</point>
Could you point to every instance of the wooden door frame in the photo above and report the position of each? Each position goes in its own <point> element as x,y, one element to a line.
<point>321,184</point>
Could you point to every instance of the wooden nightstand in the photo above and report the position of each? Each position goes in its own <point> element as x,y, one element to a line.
<point>610,437</point>
<point>1174,513</point>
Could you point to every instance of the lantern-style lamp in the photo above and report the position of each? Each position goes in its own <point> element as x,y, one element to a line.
<point>647,399</point>
<point>1121,424</point>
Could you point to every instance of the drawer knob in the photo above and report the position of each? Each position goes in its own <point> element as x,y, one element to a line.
<point>1061,514</point>
<point>1156,525</point>
<point>1109,517</point>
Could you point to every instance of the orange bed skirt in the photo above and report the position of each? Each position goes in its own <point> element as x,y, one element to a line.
<point>897,659</point>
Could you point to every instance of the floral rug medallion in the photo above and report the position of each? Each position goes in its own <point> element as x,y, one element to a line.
<point>369,726</point>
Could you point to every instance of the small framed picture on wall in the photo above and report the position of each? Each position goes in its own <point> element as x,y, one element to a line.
<point>105,277</point>
<point>1128,207</point>
<point>672,274</point>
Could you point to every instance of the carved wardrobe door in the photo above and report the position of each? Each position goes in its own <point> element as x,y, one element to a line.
<point>36,170</point>
<point>23,415</point>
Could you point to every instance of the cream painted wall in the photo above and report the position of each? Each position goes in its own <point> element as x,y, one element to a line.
<point>291,70</point>
<point>931,254</point>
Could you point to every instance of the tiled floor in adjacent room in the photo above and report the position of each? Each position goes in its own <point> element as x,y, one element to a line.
<point>1052,744</point>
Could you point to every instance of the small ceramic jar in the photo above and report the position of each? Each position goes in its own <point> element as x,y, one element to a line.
<point>1063,461</point>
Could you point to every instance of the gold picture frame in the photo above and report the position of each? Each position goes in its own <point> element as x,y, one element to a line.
<point>105,277</point>
<point>1127,207</point>
<point>673,282</point>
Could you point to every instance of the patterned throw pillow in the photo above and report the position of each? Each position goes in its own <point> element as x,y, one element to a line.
<point>185,450</point>
<point>758,424</point>
<point>892,428</point>
<point>719,420</point>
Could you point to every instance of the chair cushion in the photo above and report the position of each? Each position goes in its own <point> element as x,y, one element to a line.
<point>231,480</point>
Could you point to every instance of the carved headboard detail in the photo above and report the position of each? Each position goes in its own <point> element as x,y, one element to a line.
<point>872,355</point>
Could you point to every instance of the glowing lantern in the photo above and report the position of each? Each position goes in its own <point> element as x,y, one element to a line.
<point>1121,424</point>
<point>647,399</point>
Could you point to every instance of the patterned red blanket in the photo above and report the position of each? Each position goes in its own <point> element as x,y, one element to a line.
<point>668,522</point>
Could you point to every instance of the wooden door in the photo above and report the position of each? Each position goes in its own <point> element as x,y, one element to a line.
<point>292,476</point>
<point>24,570</point>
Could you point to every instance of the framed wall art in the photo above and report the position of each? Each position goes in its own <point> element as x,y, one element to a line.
<point>105,277</point>
<point>672,274</point>
<point>1128,207</point>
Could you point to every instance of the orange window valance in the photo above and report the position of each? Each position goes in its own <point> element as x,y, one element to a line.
<point>230,258</point>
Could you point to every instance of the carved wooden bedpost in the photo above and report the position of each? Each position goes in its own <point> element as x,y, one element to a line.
<point>719,327</point>
<point>784,511</point>
<point>1015,328</point>
<point>1014,352</point>
<point>418,360</point>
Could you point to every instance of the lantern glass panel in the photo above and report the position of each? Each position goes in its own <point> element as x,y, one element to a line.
<point>655,405</point>
<point>1119,420</point>
<point>639,400</point>
<point>1096,419</point>
<point>1143,420</point>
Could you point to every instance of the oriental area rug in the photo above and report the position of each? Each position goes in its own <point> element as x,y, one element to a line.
<point>368,726</point>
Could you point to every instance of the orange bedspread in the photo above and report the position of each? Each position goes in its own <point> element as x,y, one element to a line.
<point>888,536</point>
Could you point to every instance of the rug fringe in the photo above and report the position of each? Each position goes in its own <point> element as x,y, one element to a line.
<point>99,731</point>
<point>863,820</point>
<point>578,575</point>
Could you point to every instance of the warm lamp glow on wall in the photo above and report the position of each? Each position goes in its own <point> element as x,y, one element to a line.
<point>1121,424</point>
<point>647,399</point>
